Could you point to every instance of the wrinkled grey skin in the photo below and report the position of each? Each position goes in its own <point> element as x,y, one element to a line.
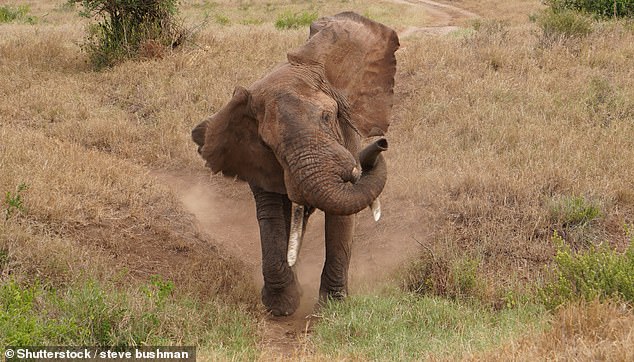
<point>295,136</point>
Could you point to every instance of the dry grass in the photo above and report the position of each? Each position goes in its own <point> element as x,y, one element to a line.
<point>580,332</point>
<point>515,12</point>
<point>85,144</point>
<point>88,215</point>
<point>498,129</point>
<point>226,13</point>
<point>491,129</point>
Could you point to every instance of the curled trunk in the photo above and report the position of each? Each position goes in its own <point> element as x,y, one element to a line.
<point>336,194</point>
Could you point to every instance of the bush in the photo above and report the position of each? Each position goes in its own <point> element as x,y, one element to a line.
<point>563,25</point>
<point>602,8</point>
<point>289,20</point>
<point>130,29</point>
<point>597,273</point>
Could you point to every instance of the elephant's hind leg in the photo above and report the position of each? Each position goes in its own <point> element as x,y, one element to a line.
<point>280,293</point>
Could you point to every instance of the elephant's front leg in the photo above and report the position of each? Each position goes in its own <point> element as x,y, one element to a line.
<point>280,293</point>
<point>334,277</point>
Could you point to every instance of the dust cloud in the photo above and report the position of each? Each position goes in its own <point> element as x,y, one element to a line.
<point>225,210</point>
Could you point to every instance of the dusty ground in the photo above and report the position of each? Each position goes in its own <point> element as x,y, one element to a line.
<point>226,209</point>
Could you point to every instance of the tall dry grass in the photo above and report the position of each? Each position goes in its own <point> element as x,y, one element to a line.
<point>493,130</point>
<point>580,332</point>
<point>85,143</point>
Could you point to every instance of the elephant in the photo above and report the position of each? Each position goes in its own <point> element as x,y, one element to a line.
<point>295,137</point>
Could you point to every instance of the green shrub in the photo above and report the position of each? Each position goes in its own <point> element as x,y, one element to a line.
<point>597,273</point>
<point>14,201</point>
<point>602,8</point>
<point>563,25</point>
<point>130,29</point>
<point>288,20</point>
<point>18,324</point>
<point>9,14</point>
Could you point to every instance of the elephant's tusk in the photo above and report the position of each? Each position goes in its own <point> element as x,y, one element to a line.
<point>295,237</point>
<point>356,175</point>
<point>376,209</point>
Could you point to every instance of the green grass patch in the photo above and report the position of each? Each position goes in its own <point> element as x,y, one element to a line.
<point>289,20</point>
<point>597,273</point>
<point>221,19</point>
<point>410,327</point>
<point>91,313</point>
<point>9,14</point>
<point>575,211</point>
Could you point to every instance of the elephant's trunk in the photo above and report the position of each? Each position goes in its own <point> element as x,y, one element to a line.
<point>337,189</point>
<point>368,155</point>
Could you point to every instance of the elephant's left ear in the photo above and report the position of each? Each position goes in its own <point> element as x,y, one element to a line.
<point>357,56</point>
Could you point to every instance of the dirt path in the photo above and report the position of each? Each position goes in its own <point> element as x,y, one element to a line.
<point>226,211</point>
<point>444,18</point>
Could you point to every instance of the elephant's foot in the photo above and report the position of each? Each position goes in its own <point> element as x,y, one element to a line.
<point>281,302</point>
<point>326,294</point>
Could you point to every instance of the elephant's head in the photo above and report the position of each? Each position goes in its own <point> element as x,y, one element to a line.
<point>295,130</point>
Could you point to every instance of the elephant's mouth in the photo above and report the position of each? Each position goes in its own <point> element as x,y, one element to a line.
<point>360,190</point>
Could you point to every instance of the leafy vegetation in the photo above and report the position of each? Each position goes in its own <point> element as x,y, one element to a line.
<point>130,29</point>
<point>91,313</point>
<point>20,13</point>
<point>597,273</point>
<point>602,8</point>
<point>289,20</point>
<point>14,201</point>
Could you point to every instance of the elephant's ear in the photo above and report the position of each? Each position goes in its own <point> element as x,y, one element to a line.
<point>357,56</point>
<point>230,143</point>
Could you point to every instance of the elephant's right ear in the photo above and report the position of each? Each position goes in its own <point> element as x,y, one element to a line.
<point>230,143</point>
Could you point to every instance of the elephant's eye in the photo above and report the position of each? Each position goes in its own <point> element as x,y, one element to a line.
<point>326,117</point>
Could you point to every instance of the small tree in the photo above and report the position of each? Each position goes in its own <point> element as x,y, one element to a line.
<point>130,29</point>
